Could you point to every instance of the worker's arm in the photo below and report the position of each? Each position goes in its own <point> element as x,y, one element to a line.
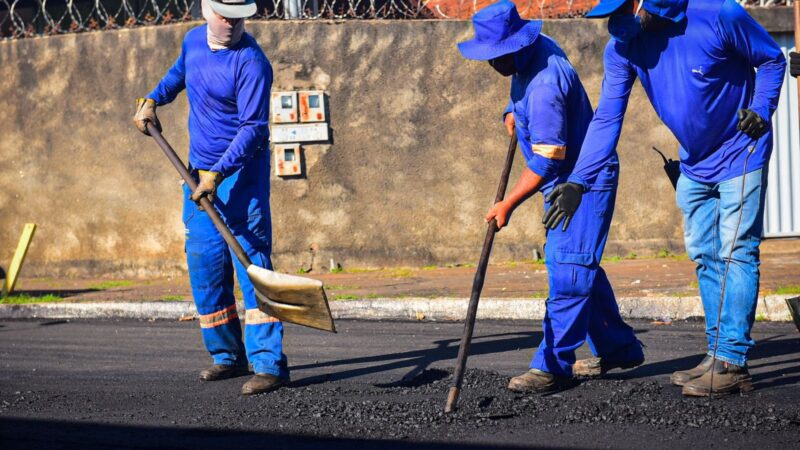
<point>547,126</point>
<point>173,82</point>
<point>600,143</point>
<point>742,35</point>
<point>252,100</point>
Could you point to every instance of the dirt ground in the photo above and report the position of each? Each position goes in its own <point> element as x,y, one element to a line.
<point>653,276</point>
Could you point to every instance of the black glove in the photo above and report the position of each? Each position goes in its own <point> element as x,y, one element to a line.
<point>751,124</point>
<point>794,64</point>
<point>564,199</point>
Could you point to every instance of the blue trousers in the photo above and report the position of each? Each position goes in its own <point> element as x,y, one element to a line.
<point>581,304</point>
<point>710,212</point>
<point>243,201</point>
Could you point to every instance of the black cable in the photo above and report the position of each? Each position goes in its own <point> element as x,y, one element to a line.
<point>727,267</point>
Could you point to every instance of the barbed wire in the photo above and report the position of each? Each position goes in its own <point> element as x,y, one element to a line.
<point>28,18</point>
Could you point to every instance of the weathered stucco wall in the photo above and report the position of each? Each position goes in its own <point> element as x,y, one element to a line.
<point>418,147</point>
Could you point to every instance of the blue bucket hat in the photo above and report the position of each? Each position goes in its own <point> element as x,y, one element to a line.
<point>605,8</point>
<point>674,10</point>
<point>499,30</point>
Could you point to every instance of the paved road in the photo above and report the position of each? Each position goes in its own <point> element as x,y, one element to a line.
<point>133,385</point>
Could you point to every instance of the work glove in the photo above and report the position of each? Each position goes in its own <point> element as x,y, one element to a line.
<point>146,112</point>
<point>564,201</point>
<point>751,124</point>
<point>207,187</point>
<point>794,64</point>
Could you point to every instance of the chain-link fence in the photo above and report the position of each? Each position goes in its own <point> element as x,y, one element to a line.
<point>26,18</point>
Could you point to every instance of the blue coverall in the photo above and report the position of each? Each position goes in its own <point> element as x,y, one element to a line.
<point>552,113</point>
<point>698,73</point>
<point>228,92</point>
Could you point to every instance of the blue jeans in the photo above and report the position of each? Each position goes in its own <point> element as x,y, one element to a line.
<point>581,303</point>
<point>711,212</point>
<point>243,201</point>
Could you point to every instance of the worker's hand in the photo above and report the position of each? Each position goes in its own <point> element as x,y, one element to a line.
<point>509,122</point>
<point>207,187</point>
<point>751,124</point>
<point>564,201</point>
<point>501,211</point>
<point>146,112</point>
<point>794,64</point>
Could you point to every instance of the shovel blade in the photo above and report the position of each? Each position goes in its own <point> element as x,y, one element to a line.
<point>292,299</point>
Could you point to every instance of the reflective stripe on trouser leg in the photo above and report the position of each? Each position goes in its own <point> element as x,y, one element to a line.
<point>211,277</point>
<point>263,335</point>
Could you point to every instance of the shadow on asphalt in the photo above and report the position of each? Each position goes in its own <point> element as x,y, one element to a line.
<point>769,347</point>
<point>419,360</point>
<point>28,433</point>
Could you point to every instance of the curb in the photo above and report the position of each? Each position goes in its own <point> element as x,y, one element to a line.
<point>770,308</point>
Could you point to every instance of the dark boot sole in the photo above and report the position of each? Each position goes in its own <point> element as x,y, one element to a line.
<point>742,386</point>
<point>226,375</point>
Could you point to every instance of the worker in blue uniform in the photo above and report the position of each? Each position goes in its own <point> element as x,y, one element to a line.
<point>713,76</point>
<point>550,111</point>
<point>227,79</point>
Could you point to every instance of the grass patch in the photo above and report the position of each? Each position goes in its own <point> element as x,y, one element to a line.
<point>456,265</point>
<point>694,285</point>
<point>340,287</point>
<point>430,267</point>
<point>172,298</point>
<point>111,284</point>
<point>337,269</point>
<point>615,258</point>
<point>303,271</point>
<point>788,290</point>
<point>359,270</point>
<point>760,317</point>
<point>345,297</point>
<point>663,253</point>
<point>400,272</point>
<point>540,294</point>
<point>21,299</point>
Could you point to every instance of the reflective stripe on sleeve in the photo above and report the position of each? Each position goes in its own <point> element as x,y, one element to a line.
<point>550,151</point>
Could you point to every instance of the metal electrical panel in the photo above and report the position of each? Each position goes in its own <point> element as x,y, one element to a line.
<point>312,106</point>
<point>287,160</point>
<point>284,107</point>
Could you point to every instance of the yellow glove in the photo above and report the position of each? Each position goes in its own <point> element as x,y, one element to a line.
<point>146,112</point>
<point>207,187</point>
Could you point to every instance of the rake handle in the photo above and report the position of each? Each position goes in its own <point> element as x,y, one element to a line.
<point>477,284</point>
<point>209,208</point>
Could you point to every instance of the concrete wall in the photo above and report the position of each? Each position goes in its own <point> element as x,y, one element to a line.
<point>417,152</point>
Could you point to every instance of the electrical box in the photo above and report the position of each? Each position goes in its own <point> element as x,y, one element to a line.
<point>287,160</point>
<point>284,107</point>
<point>312,106</point>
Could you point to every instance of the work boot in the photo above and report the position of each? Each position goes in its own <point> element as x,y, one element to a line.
<point>222,372</point>
<point>594,367</point>
<point>263,382</point>
<point>682,377</point>
<point>535,380</point>
<point>728,378</point>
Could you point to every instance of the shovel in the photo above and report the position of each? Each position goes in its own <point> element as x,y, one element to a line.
<point>289,298</point>
<point>477,285</point>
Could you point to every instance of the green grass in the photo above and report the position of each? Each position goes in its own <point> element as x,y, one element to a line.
<point>761,317</point>
<point>337,269</point>
<point>303,271</point>
<point>111,284</point>
<point>663,253</point>
<point>788,290</point>
<point>346,297</point>
<point>540,294</point>
<point>172,298</point>
<point>430,267</point>
<point>400,272</point>
<point>20,299</point>
<point>340,287</point>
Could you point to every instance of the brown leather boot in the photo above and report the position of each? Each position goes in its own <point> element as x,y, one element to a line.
<point>682,377</point>
<point>728,378</point>
<point>594,367</point>
<point>222,372</point>
<point>536,380</point>
<point>263,382</point>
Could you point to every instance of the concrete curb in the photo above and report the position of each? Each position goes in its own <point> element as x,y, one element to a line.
<point>770,308</point>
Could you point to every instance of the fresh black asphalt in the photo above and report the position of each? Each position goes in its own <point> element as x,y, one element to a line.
<point>105,384</point>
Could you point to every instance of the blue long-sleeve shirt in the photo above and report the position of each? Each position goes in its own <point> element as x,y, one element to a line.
<point>551,110</point>
<point>697,74</point>
<point>228,92</point>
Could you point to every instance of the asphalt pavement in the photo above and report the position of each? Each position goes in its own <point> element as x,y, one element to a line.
<point>129,384</point>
